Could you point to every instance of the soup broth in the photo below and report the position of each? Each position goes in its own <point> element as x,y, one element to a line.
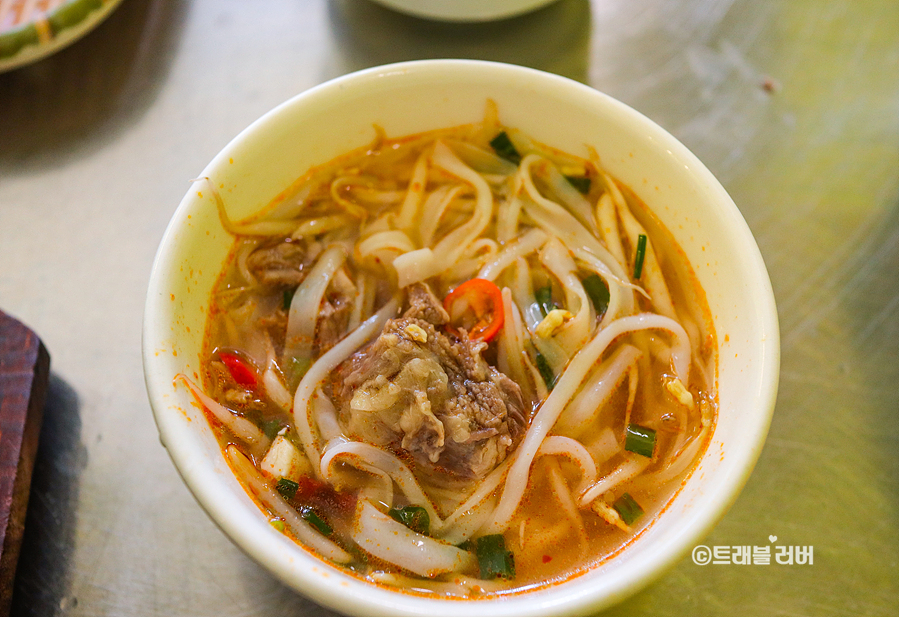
<point>459,363</point>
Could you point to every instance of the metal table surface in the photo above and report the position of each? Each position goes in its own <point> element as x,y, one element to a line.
<point>793,104</point>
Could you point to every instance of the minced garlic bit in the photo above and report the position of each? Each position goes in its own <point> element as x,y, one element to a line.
<point>608,514</point>
<point>677,389</point>
<point>417,333</point>
<point>554,320</point>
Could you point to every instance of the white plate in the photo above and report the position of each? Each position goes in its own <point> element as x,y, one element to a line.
<point>464,10</point>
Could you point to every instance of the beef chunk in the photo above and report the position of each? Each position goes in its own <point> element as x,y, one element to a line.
<point>423,304</point>
<point>418,390</point>
<point>333,317</point>
<point>280,264</point>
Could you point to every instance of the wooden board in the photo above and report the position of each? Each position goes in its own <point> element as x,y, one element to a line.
<point>24,373</point>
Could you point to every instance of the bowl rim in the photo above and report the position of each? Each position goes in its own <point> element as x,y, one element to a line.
<point>463,11</point>
<point>351,595</point>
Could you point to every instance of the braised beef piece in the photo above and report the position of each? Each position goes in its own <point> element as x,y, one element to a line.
<point>280,264</point>
<point>333,317</point>
<point>423,304</point>
<point>418,389</point>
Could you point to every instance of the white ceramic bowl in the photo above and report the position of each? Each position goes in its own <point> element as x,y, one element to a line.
<point>408,98</point>
<point>464,10</point>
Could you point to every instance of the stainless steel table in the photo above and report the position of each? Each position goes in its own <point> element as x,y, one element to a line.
<point>794,104</point>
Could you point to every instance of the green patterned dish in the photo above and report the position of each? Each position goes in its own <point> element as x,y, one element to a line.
<point>33,29</point>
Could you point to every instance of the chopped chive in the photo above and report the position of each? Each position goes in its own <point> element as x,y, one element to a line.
<point>277,524</point>
<point>287,488</point>
<point>544,297</point>
<point>414,517</point>
<point>546,372</point>
<point>271,428</point>
<point>640,440</point>
<point>504,147</point>
<point>316,521</point>
<point>493,558</point>
<point>628,509</point>
<point>598,291</point>
<point>581,183</point>
<point>641,254</point>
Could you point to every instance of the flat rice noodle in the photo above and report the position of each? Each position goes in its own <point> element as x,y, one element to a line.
<point>386,462</point>
<point>378,534</point>
<point>389,240</point>
<point>410,210</point>
<point>271,499</point>
<point>483,491</point>
<point>523,292</point>
<point>557,221</point>
<point>379,489</point>
<point>325,415</point>
<point>629,469</point>
<point>651,276</point>
<point>522,246</point>
<point>304,306</point>
<point>434,207</point>
<point>320,225</point>
<point>604,446</point>
<point>608,227</point>
<point>570,197</point>
<point>563,494</point>
<point>322,367</point>
<point>455,243</point>
<point>563,392</point>
<point>508,213</point>
<point>575,332</point>
<point>246,247</point>
<point>275,388</point>
<point>416,266</point>
<point>481,160</point>
<point>469,524</point>
<point>512,356</point>
<point>242,428</point>
<point>582,412</point>
<point>574,451</point>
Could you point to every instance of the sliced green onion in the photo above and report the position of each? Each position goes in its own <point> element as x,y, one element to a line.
<point>544,297</point>
<point>640,440</point>
<point>287,299</point>
<point>598,291</point>
<point>468,545</point>
<point>641,254</point>
<point>549,378</point>
<point>414,517</point>
<point>628,509</point>
<point>297,367</point>
<point>581,183</point>
<point>495,561</point>
<point>277,524</point>
<point>287,488</point>
<point>271,428</point>
<point>504,147</point>
<point>316,521</point>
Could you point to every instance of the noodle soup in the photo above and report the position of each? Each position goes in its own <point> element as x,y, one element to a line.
<point>458,363</point>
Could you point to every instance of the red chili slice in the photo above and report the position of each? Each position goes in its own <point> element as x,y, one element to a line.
<point>243,374</point>
<point>482,312</point>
